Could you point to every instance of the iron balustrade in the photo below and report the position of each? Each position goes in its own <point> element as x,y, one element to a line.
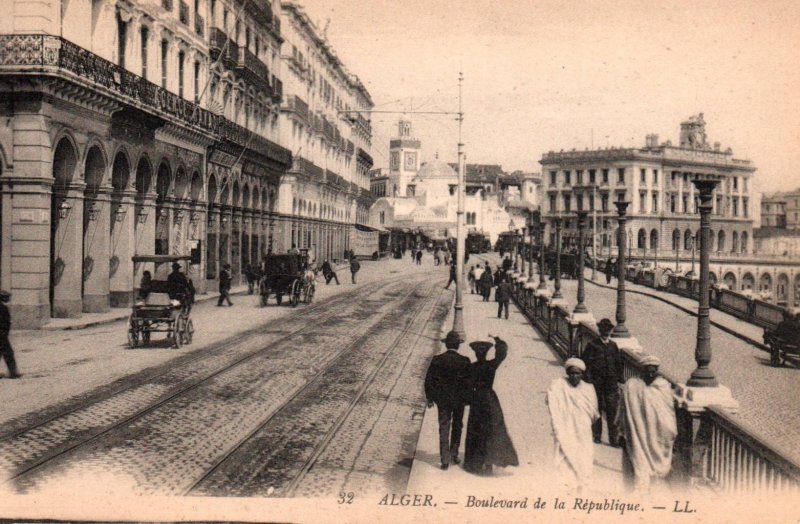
<point>297,105</point>
<point>220,43</point>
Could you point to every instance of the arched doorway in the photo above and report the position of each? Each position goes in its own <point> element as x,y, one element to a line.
<point>721,241</point>
<point>246,232</point>
<point>748,282</point>
<point>236,232</point>
<point>676,240</point>
<point>163,183</point>
<point>687,240</point>
<point>121,249</point>
<point>96,225</point>
<point>765,285</point>
<point>641,240</point>
<point>735,242</point>
<point>653,239</point>
<point>782,290</point>
<point>66,243</point>
<point>212,229</point>
<point>744,241</point>
<point>224,224</point>
<point>730,280</point>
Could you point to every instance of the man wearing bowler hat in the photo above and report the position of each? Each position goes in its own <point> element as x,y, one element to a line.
<point>6,352</point>
<point>604,370</point>
<point>447,385</point>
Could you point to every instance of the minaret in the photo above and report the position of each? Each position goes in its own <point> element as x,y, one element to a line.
<point>403,159</point>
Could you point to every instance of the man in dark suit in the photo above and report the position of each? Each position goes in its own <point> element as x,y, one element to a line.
<point>604,370</point>
<point>6,352</point>
<point>447,385</point>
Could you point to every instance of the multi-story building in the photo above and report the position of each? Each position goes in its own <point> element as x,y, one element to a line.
<point>781,210</point>
<point>656,179</point>
<point>325,121</point>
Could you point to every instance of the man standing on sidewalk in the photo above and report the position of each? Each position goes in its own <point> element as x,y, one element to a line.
<point>610,269</point>
<point>503,295</point>
<point>447,385</point>
<point>573,409</point>
<point>6,351</point>
<point>354,267</point>
<point>604,370</point>
<point>225,279</point>
<point>329,273</point>
<point>649,427</point>
<point>452,275</point>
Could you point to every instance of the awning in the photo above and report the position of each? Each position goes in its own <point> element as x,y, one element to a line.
<point>379,229</point>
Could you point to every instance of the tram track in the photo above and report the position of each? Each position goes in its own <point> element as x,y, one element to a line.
<point>128,428</point>
<point>279,454</point>
<point>87,419</point>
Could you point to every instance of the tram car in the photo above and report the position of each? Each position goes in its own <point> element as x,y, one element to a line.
<point>505,242</point>
<point>477,243</point>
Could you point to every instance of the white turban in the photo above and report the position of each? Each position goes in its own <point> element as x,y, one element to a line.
<point>650,360</point>
<point>575,363</point>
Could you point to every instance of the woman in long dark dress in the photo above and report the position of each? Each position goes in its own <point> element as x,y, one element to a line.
<point>488,442</point>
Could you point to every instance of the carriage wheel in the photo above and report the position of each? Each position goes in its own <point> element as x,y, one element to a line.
<point>310,294</point>
<point>188,331</point>
<point>775,355</point>
<point>294,297</point>
<point>177,330</point>
<point>133,337</point>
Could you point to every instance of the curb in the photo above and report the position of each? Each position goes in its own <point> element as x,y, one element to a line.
<point>125,313</point>
<point>722,327</point>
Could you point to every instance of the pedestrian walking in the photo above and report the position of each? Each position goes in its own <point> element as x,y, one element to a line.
<point>354,267</point>
<point>329,273</point>
<point>476,284</point>
<point>572,404</point>
<point>419,257</point>
<point>6,351</point>
<point>225,279</point>
<point>610,265</point>
<point>447,385</point>
<point>488,443</point>
<point>437,260</point>
<point>471,279</point>
<point>648,424</point>
<point>486,283</point>
<point>452,276</point>
<point>507,263</point>
<point>604,371</point>
<point>503,296</point>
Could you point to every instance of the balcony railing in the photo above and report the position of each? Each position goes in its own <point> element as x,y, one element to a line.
<point>302,165</point>
<point>44,54</point>
<point>254,69</point>
<point>277,89</point>
<point>219,43</point>
<point>183,12</point>
<point>296,104</point>
<point>199,24</point>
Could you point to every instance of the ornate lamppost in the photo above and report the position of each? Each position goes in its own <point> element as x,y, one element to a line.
<point>580,307</point>
<point>620,330</point>
<point>542,281</point>
<point>531,231</point>
<point>517,249</point>
<point>557,293</point>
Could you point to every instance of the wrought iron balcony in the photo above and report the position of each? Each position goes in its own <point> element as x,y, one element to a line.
<point>350,148</point>
<point>277,89</point>
<point>297,105</point>
<point>217,40</point>
<point>199,24</point>
<point>183,12</point>
<point>253,68</point>
<point>52,55</point>
<point>302,165</point>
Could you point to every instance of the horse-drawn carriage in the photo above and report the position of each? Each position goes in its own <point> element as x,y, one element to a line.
<point>568,264</point>
<point>163,305</point>
<point>287,275</point>
<point>784,340</point>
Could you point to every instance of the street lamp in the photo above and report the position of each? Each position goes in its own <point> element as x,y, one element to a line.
<point>531,231</point>
<point>63,210</point>
<point>542,281</point>
<point>620,330</point>
<point>119,213</point>
<point>142,215</point>
<point>557,284</point>
<point>580,307</point>
<point>94,211</point>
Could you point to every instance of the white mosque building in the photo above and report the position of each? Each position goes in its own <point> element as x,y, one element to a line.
<point>418,203</point>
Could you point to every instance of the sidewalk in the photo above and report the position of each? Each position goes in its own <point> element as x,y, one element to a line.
<point>521,384</point>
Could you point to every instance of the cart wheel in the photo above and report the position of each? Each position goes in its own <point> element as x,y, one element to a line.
<point>177,332</point>
<point>294,297</point>
<point>310,294</point>
<point>133,337</point>
<point>188,331</point>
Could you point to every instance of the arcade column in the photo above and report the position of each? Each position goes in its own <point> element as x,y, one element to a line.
<point>96,240</point>
<point>67,252</point>
<point>123,218</point>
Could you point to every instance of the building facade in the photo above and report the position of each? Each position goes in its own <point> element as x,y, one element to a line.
<point>325,121</point>
<point>781,210</point>
<point>136,127</point>
<point>656,179</point>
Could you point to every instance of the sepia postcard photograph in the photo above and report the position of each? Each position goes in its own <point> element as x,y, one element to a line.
<point>384,261</point>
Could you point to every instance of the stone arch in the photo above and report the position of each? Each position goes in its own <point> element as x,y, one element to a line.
<point>95,168</point>
<point>687,240</point>
<point>256,199</point>
<point>721,241</point>
<point>246,196</point>
<point>211,195</point>
<point>653,239</point>
<point>163,181</point>
<point>225,195</point>
<point>730,280</point>
<point>744,242</point>
<point>782,289</point>
<point>765,282</point>
<point>676,240</point>
<point>181,182</point>
<point>65,160</point>
<point>120,171</point>
<point>735,242</point>
<point>236,194</point>
<point>712,277</point>
<point>641,239</point>
<point>265,203</point>
<point>196,187</point>
<point>144,175</point>
<point>748,281</point>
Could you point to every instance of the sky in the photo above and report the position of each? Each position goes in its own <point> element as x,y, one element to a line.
<point>561,74</point>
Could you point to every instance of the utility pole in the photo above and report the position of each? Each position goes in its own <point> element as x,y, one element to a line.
<point>594,231</point>
<point>458,307</point>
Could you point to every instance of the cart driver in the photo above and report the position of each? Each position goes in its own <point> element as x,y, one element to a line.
<point>177,284</point>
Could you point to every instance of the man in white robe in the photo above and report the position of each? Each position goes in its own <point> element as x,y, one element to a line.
<point>573,407</point>
<point>647,421</point>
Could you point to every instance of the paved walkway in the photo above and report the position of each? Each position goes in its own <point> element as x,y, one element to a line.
<point>521,384</point>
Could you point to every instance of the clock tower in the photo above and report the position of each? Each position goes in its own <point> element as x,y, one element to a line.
<point>403,159</point>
